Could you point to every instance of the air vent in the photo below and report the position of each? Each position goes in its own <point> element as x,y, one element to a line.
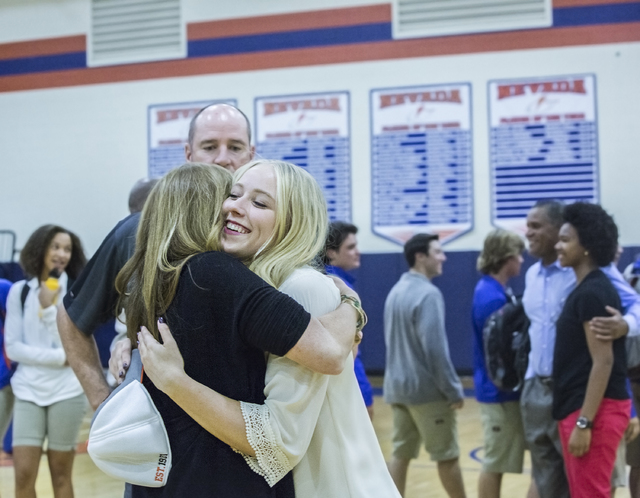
<point>127,31</point>
<point>422,18</point>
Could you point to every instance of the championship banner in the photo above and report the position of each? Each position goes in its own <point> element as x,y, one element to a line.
<point>543,145</point>
<point>168,126</point>
<point>311,131</point>
<point>421,161</point>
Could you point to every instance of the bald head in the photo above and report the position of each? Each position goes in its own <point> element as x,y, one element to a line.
<point>220,134</point>
<point>139,193</point>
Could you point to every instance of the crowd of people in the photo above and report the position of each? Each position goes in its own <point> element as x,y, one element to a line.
<point>574,408</point>
<point>237,292</point>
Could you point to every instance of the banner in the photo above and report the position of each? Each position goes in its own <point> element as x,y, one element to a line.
<point>543,145</point>
<point>421,161</point>
<point>168,126</point>
<point>311,131</point>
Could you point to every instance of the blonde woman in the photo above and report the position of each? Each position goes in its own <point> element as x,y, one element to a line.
<point>223,316</point>
<point>275,221</point>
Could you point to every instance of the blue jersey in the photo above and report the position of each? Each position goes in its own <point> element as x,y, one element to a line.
<point>358,366</point>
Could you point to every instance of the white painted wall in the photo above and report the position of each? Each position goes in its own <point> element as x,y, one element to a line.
<point>35,19</point>
<point>199,10</point>
<point>70,155</point>
<point>23,20</point>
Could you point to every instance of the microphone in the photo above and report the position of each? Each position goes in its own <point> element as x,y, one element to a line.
<point>52,282</point>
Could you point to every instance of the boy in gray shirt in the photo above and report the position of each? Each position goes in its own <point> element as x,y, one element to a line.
<point>420,382</point>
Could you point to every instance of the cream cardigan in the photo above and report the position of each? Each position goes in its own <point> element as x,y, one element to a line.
<point>316,424</point>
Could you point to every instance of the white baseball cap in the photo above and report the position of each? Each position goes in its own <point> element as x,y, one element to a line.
<point>127,439</point>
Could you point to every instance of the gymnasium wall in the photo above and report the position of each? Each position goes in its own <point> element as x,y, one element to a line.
<point>74,139</point>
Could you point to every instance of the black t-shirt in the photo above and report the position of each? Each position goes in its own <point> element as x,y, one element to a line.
<point>223,317</point>
<point>92,299</point>
<point>571,360</point>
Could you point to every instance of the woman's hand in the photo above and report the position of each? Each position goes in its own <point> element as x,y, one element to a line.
<point>344,288</point>
<point>457,405</point>
<point>163,363</point>
<point>46,296</point>
<point>579,441</point>
<point>120,360</point>
<point>633,429</point>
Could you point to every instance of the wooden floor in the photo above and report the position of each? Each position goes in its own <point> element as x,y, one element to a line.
<point>422,481</point>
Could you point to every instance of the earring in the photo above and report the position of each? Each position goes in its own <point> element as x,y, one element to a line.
<point>586,253</point>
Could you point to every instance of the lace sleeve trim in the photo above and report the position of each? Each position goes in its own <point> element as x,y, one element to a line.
<point>270,461</point>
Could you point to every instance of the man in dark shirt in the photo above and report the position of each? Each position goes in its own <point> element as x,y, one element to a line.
<point>139,193</point>
<point>218,134</point>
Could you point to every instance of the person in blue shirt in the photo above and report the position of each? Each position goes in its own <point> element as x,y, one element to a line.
<point>341,256</point>
<point>547,285</point>
<point>6,366</point>
<point>499,261</point>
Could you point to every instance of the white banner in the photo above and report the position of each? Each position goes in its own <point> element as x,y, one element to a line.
<point>168,133</point>
<point>422,161</point>
<point>543,145</point>
<point>311,131</point>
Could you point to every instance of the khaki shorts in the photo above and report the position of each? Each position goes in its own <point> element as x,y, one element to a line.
<point>6,409</point>
<point>633,453</point>
<point>503,437</point>
<point>619,476</point>
<point>59,423</point>
<point>431,423</point>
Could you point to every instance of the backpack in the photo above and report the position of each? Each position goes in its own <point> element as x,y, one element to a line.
<point>506,346</point>
<point>26,289</point>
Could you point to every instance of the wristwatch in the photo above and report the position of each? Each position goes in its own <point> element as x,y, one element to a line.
<point>584,423</point>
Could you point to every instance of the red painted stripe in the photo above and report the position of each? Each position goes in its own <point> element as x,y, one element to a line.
<point>425,47</point>
<point>49,46</point>
<point>289,22</point>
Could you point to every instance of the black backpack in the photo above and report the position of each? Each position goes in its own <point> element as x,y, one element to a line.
<point>26,289</point>
<point>506,346</point>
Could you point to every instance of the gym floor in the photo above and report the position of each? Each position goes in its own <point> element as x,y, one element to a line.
<point>422,482</point>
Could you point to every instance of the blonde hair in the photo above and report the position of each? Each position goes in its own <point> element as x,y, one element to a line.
<point>181,218</point>
<point>301,223</point>
<point>499,246</point>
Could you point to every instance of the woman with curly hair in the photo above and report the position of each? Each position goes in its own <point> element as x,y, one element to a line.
<point>590,399</point>
<point>49,401</point>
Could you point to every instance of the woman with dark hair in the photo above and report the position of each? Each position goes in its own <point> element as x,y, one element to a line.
<point>49,399</point>
<point>590,399</point>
